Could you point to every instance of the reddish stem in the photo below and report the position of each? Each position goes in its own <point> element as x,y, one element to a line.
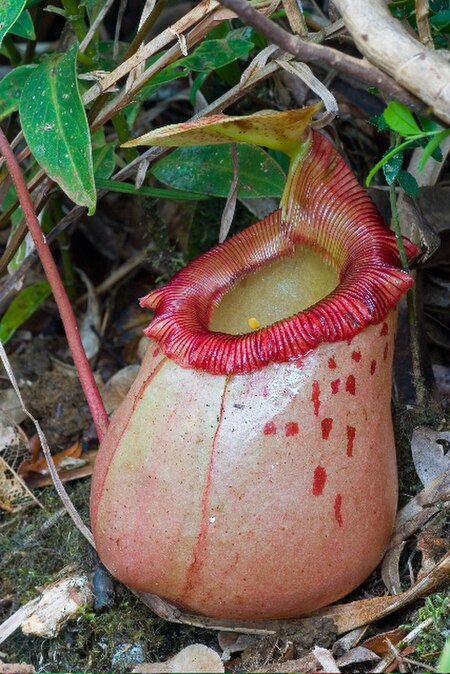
<point>80,360</point>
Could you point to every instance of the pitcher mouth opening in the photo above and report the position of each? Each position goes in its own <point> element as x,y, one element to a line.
<point>274,292</point>
<point>332,226</point>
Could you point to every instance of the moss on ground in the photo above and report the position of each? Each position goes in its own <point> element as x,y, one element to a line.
<point>112,639</point>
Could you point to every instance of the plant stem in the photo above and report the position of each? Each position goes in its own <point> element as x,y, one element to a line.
<point>81,362</point>
<point>13,52</point>
<point>123,134</point>
<point>418,382</point>
<point>74,13</point>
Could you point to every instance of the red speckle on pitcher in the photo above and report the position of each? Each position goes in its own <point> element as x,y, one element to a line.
<point>332,363</point>
<point>327,425</point>
<point>356,355</point>
<point>373,366</point>
<point>270,428</point>
<point>291,428</point>
<point>155,352</point>
<point>320,477</point>
<point>315,397</point>
<point>338,509</point>
<point>351,432</point>
<point>385,352</point>
<point>350,384</point>
<point>335,386</point>
<point>384,330</point>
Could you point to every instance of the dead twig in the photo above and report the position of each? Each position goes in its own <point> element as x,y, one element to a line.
<point>319,54</point>
<point>87,380</point>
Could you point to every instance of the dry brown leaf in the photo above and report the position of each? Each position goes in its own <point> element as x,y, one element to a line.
<point>356,655</point>
<point>118,386</point>
<point>14,494</point>
<point>233,642</point>
<point>39,465</point>
<point>91,321</point>
<point>379,644</point>
<point>348,641</point>
<point>195,658</point>
<point>305,665</point>
<point>36,481</point>
<point>429,456</point>
<point>326,660</point>
<point>432,547</point>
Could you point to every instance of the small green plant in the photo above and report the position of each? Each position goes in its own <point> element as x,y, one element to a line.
<point>439,18</point>
<point>407,133</point>
<point>432,641</point>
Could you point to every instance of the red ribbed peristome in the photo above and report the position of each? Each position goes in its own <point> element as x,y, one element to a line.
<point>328,211</point>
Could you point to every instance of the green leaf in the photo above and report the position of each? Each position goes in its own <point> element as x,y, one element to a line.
<point>104,161</point>
<point>23,27</point>
<point>11,86</point>
<point>431,146</point>
<point>213,54</point>
<point>402,8</point>
<point>157,192</point>
<point>21,308</point>
<point>208,170</point>
<point>196,86</point>
<point>55,127</point>
<point>392,166</point>
<point>441,18</point>
<point>379,122</point>
<point>408,183</point>
<point>400,119</point>
<point>10,10</point>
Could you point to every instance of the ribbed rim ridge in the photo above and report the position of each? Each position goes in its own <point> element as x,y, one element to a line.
<point>327,211</point>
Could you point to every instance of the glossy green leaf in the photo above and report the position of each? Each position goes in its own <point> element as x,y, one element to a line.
<point>213,54</point>
<point>208,170</point>
<point>408,183</point>
<point>11,89</point>
<point>157,192</point>
<point>21,308</point>
<point>400,119</point>
<point>392,166</point>
<point>10,10</point>
<point>24,26</point>
<point>432,146</point>
<point>55,126</point>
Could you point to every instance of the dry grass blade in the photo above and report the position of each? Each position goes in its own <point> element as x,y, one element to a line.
<point>230,206</point>
<point>198,13</point>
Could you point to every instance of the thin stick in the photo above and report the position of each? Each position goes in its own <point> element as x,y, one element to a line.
<point>85,374</point>
<point>314,53</point>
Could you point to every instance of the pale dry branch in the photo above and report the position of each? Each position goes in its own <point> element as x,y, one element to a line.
<point>391,48</point>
